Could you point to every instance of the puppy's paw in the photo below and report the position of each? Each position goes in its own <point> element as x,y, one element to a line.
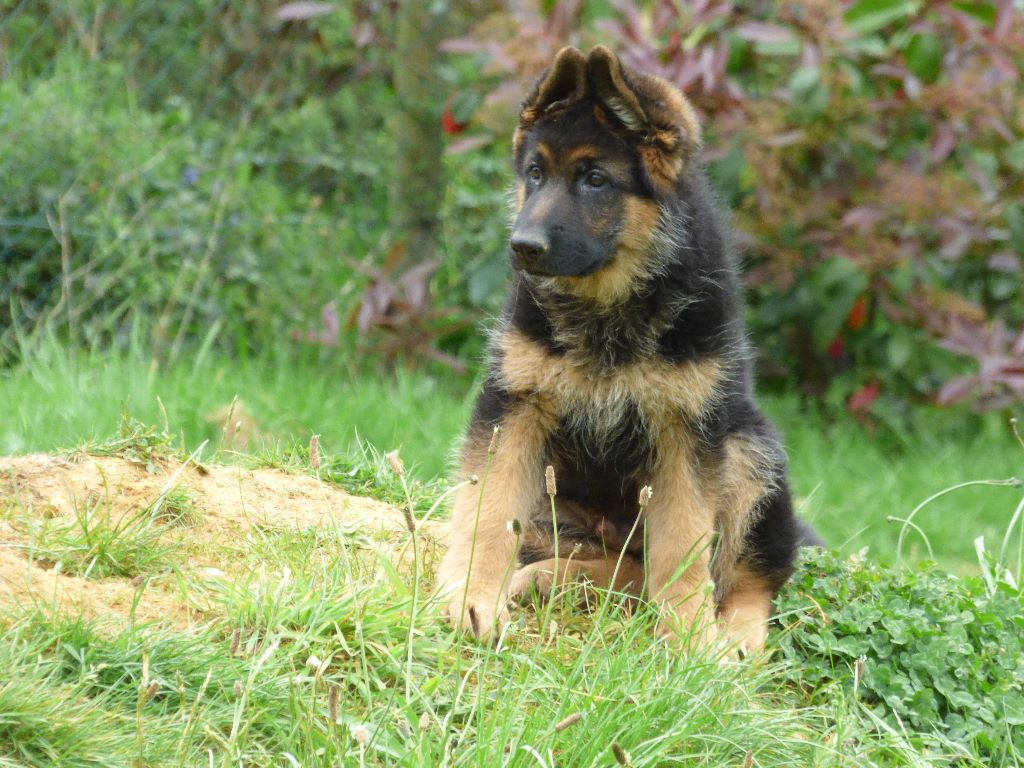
<point>478,616</point>
<point>749,637</point>
<point>745,615</point>
<point>688,633</point>
<point>531,581</point>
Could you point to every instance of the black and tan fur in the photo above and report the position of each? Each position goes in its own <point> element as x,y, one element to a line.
<point>620,360</point>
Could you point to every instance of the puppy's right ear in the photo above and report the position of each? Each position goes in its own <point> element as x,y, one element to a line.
<point>564,83</point>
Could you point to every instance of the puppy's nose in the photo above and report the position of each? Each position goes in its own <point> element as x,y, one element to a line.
<point>529,246</point>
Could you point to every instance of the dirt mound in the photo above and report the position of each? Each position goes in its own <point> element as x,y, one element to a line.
<point>40,491</point>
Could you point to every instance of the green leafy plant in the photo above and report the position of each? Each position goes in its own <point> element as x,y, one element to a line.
<point>234,187</point>
<point>144,444</point>
<point>921,649</point>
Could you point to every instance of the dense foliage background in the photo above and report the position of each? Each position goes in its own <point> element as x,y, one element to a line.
<point>202,173</point>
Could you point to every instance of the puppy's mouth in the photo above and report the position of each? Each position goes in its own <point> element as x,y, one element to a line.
<point>569,267</point>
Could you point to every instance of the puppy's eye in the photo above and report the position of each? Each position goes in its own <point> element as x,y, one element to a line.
<point>534,173</point>
<point>596,179</point>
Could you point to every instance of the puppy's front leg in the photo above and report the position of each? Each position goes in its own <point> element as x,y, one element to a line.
<point>679,528</point>
<point>474,574</point>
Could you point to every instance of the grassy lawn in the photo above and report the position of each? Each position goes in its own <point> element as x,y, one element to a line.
<point>320,646</point>
<point>846,482</point>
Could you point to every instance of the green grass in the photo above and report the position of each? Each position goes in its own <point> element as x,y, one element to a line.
<point>849,486</point>
<point>319,651</point>
<point>308,663</point>
<point>97,545</point>
<point>316,656</point>
<point>846,482</point>
<point>59,400</point>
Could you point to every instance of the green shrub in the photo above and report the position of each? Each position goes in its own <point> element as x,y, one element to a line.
<point>921,649</point>
<point>187,227</point>
<point>191,172</point>
<point>211,171</point>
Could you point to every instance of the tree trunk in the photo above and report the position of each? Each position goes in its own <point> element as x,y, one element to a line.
<point>418,188</point>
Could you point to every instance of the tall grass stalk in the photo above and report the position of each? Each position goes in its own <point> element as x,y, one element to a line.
<point>646,493</point>
<point>908,521</point>
<point>410,523</point>
<point>1015,523</point>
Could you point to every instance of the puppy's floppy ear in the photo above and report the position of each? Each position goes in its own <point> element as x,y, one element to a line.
<point>648,106</point>
<point>564,83</point>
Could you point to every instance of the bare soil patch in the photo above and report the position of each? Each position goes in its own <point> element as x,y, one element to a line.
<point>230,501</point>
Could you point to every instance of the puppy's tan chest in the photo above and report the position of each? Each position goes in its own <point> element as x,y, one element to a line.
<point>568,385</point>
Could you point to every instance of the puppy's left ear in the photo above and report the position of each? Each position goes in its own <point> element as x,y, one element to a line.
<point>564,83</point>
<point>651,107</point>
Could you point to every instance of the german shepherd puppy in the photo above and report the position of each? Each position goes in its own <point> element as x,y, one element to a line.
<point>620,361</point>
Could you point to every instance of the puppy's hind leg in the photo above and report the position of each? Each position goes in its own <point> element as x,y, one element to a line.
<point>680,526</point>
<point>625,574</point>
<point>758,536</point>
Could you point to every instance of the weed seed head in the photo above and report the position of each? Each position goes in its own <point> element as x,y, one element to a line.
<point>621,756</point>
<point>410,521</point>
<point>549,480</point>
<point>332,703</point>
<point>493,447</point>
<point>570,720</point>
<point>314,452</point>
<point>360,734</point>
<point>396,463</point>
<point>645,496</point>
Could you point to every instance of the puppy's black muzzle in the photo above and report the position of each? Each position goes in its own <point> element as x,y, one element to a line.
<point>530,252</point>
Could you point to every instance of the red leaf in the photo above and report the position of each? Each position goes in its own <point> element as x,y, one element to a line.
<point>943,141</point>
<point>761,32</point>
<point>836,348</point>
<point>858,314</point>
<point>1004,261</point>
<point>955,390</point>
<point>363,33</point>
<point>468,144</point>
<point>465,45</point>
<point>1018,346</point>
<point>449,124</point>
<point>863,217</point>
<point>862,399</point>
<point>784,139</point>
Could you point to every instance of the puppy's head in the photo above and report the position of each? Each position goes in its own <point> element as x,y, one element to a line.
<point>598,147</point>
